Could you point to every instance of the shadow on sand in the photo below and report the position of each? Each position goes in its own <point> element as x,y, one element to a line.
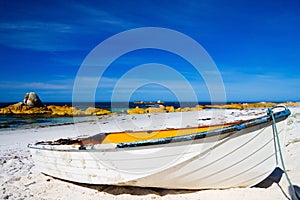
<point>296,195</point>
<point>275,177</point>
<point>132,190</point>
<point>137,191</point>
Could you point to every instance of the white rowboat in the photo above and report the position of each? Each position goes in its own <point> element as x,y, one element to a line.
<point>232,155</point>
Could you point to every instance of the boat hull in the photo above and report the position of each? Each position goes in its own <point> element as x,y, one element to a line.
<point>240,158</point>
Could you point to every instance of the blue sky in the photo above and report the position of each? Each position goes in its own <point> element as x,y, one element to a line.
<point>254,44</point>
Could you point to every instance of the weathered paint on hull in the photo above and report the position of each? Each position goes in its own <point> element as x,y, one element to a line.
<point>238,159</point>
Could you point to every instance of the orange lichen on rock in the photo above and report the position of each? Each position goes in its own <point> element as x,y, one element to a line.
<point>72,111</point>
<point>52,110</point>
<point>90,111</point>
<point>178,110</point>
<point>293,104</point>
<point>136,110</point>
<point>160,109</point>
<point>65,111</point>
<point>169,109</point>
<point>187,109</point>
<point>259,105</point>
<point>242,105</point>
<point>20,108</point>
<point>96,111</point>
<point>226,106</point>
<point>197,107</point>
<point>163,109</point>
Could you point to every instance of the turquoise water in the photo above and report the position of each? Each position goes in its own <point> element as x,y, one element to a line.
<point>24,122</point>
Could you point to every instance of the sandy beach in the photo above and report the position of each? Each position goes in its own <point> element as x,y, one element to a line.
<point>20,179</point>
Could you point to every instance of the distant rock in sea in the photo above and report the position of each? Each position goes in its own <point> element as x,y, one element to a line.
<point>32,99</point>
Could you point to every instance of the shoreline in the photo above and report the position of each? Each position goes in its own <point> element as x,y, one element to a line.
<point>119,117</point>
<point>20,179</point>
<point>52,110</point>
<point>64,115</point>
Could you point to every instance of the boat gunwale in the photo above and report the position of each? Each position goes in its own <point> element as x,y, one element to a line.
<point>265,120</point>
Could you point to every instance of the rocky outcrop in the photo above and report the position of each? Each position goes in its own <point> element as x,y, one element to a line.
<point>160,109</point>
<point>96,111</point>
<point>170,109</point>
<point>243,105</point>
<point>5,111</point>
<point>163,109</point>
<point>51,110</point>
<point>293,104</point>
<point>32,99</point>
<point>136,110</point>
<point>72,111</point>
<point>32,105</point>
<point>65,111</point>
<point>21,108</point>
<point>187,109</point>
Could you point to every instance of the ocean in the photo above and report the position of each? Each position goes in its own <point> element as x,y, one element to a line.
<point>11,122</point>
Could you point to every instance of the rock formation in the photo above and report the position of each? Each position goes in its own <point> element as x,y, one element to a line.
<point>160,109</point>
<point>32,99</point>
<point>136,110</point>
<point>32,105</point>
<point>96,111</point>
<point>242,105</point>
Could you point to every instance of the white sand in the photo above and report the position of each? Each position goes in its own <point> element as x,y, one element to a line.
<point>19,178</point>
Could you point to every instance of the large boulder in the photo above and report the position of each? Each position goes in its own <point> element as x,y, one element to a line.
<point>32,99</point>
